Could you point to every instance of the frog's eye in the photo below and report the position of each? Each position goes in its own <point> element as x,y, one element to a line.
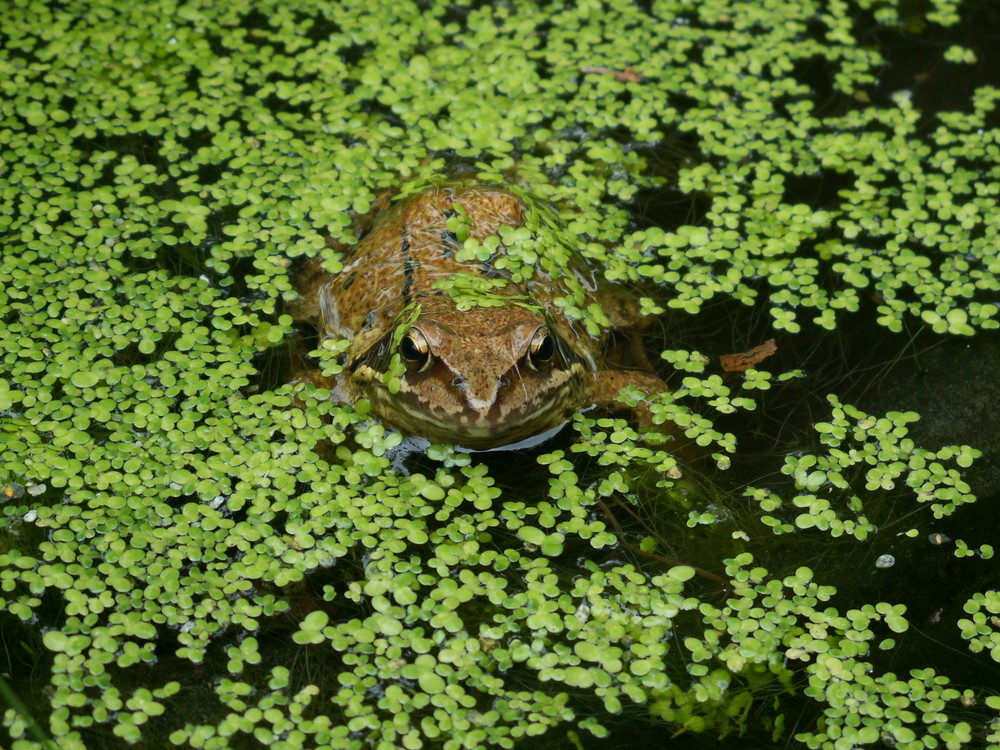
<point>415,350</point>
<point>541,349</point>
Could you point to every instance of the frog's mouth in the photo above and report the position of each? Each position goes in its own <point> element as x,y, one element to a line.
<point>493,427</point>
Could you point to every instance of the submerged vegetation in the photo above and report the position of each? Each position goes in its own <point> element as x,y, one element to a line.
<point>196,553</point>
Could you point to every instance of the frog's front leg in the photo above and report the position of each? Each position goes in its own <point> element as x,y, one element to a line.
<point>336,384</point>
<point>608,384</point>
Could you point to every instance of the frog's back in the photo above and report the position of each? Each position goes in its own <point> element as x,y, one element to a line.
<point>408,250</point>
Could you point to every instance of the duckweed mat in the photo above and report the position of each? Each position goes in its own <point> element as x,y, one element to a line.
<point>198,552</point>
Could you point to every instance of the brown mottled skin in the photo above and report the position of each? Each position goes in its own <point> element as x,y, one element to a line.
<point>482,377</point>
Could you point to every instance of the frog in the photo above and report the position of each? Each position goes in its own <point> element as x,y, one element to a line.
<point>498,368</point>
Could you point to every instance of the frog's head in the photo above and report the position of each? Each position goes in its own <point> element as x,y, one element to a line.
<point>481,379</point>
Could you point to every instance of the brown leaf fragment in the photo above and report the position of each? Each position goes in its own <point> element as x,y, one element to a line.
<point>743,361</point>
<point>628,75</point>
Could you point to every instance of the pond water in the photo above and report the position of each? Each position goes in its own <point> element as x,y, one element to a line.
<point>218,567</point>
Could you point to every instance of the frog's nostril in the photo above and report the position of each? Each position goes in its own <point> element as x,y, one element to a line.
<point>457,381</point>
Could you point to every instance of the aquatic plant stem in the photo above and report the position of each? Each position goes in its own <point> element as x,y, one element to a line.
<point>7,693</point>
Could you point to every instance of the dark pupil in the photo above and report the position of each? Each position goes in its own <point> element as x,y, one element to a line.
<point>545,350</point>
<point>409,350</point>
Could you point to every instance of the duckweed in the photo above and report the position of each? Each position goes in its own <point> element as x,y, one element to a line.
<point>982,627</point>
<point>198,549</point>
<point>878,447</point>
